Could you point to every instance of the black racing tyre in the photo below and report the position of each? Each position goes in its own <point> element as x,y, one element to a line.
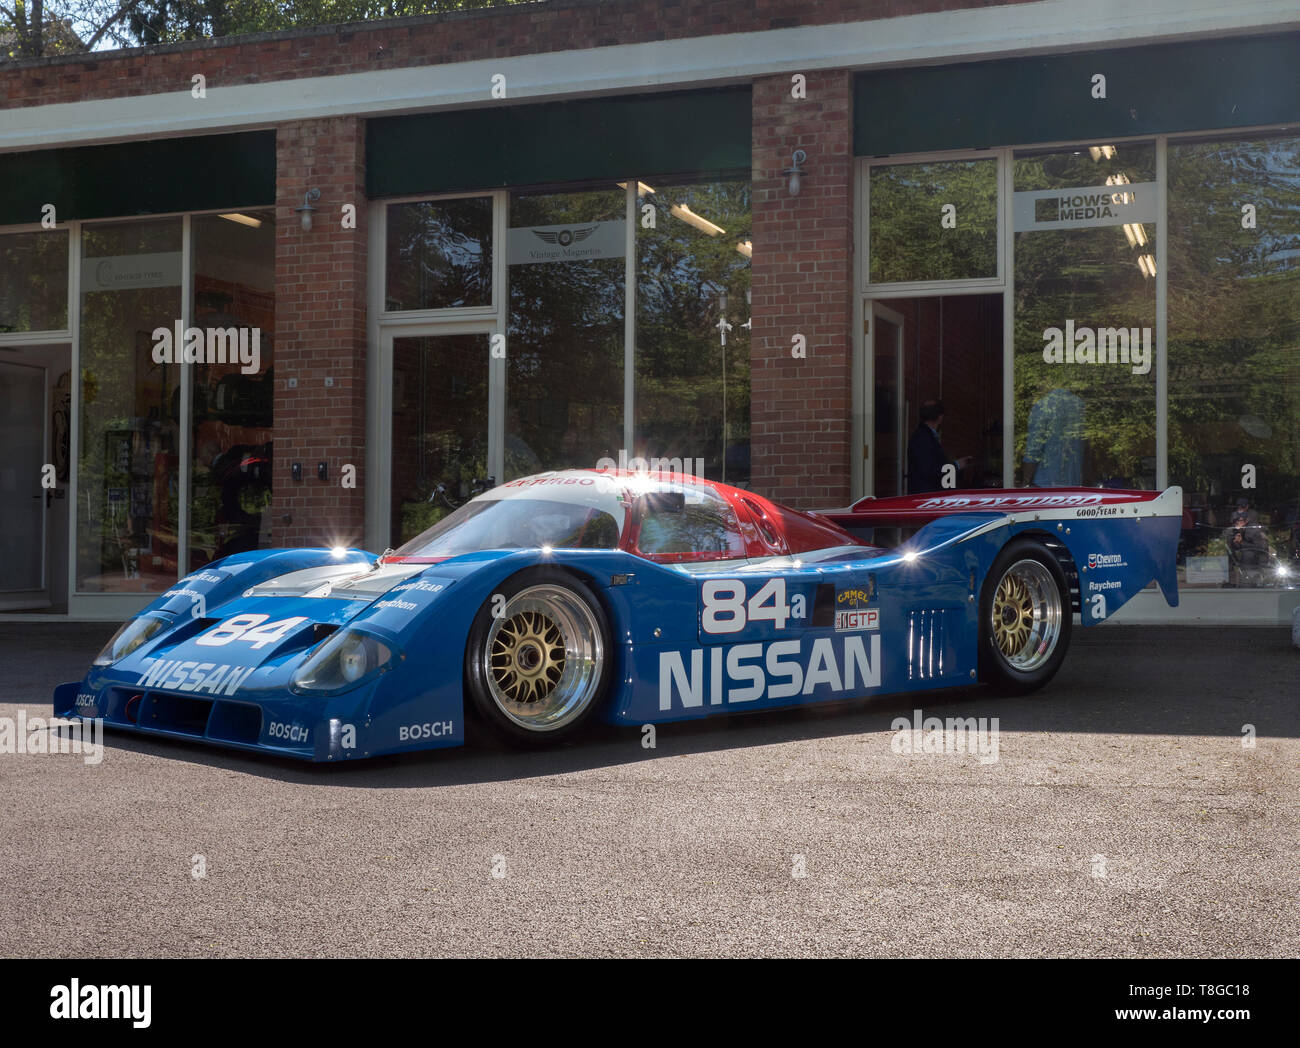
<point>1025,618</point>
<point>539,658</point>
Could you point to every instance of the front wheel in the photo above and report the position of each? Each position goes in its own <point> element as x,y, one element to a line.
<point>1025,618</point>
<point>537,664</point>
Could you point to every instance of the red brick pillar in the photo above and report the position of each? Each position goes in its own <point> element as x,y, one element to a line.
<point>320,327</point>
<point>802,284</point>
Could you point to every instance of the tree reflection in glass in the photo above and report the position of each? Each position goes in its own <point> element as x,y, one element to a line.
<point>1234,346</point>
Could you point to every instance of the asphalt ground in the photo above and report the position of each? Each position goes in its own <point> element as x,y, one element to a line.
<point>1123,817</point>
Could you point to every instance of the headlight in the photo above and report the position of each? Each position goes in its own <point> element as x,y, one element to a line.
<point>129,637</point>
<point>344,660</point>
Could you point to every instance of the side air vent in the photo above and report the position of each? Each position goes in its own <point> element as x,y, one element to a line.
<point>930,636</point>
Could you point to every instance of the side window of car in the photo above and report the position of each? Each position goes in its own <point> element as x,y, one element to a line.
<point>688,523</point>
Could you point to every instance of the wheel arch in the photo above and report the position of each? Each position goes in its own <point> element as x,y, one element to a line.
<point>591,581</point>
<point>583,575</point>
<point>1060,552</point>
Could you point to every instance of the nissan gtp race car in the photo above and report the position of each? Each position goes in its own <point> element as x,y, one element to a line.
<point>634,598</point>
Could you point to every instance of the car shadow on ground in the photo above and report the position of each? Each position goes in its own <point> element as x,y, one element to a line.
<point>1196,681</point>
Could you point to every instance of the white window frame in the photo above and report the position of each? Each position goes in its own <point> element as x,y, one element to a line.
<point>90,605</point>
<point>379,240</point>
<point>868,296</point>
<point>924,287</point>
<point>385,325</point>
<point>44,335</point>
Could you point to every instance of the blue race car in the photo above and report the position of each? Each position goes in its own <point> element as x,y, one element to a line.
<point>634,598</point>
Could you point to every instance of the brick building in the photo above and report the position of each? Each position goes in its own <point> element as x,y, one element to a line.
<point>756,236</point>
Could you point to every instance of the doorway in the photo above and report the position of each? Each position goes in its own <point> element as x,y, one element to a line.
<point>943,347</point>
<point>441,392</point>
<point>35,431</point>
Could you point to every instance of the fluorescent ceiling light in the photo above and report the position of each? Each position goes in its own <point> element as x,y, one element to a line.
<point>690,217</point>
<point>1120,179</point>
<point>641,188</point>
<point>243,220</point>
<point>746,248</point>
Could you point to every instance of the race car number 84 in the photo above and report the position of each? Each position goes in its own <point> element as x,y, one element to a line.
<point>728,608</point>
<point>249,628</point>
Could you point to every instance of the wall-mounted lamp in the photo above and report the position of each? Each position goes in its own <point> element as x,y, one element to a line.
<point>306,210</point>
<point>795,171</point>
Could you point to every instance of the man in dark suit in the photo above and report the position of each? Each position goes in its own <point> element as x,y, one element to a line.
<point>925,455</point>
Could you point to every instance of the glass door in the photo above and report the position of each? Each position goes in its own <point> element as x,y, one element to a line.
<point>22,497</point>
<point>885,390</point>
<point>128,473</point>
<point>437,420</point>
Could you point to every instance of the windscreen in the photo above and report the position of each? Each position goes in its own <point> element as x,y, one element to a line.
<point>515,522</point>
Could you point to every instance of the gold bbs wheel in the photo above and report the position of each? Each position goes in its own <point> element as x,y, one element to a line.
<point>1026,615</point>
<point>542,658</point>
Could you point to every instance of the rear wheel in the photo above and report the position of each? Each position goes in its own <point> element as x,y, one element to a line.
<point>1025,618</point>
<point>537,664</point>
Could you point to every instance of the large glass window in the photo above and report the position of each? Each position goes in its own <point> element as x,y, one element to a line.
<point>127,485</point>
<point>1234,357</point>
<point>34,281</point>
<point>564,355</point>
<point>566,339</point>
<point>692,327</point>
<point>232,393</point>
<point>1085,315</point>
<point>439,254</point>
<point>933,221</point>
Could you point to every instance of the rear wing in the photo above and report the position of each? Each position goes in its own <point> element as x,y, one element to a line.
<point>1118,540</point>
<point>918,510</point>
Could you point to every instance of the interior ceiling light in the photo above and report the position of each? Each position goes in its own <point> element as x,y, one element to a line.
<point>243,220</point>
<point>746,248</point>
<point>690,217</point>
<point>1147,264</point>
<point>1100,152</point>
<point>641,188</point>
<point>1120,179</point>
